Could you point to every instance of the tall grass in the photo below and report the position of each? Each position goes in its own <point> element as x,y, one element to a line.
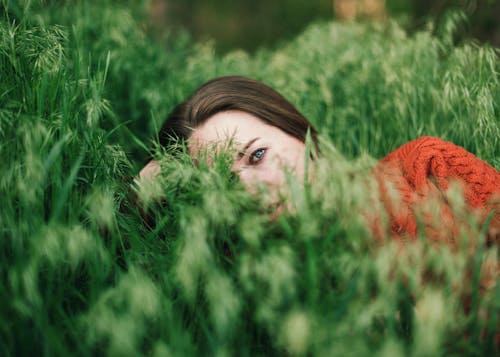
<point>83,90</point>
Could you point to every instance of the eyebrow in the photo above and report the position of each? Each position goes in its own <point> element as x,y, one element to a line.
<point>245,148</point>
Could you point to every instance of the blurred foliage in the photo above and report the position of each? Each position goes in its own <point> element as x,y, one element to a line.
<point>241,24</point>
<point>483,15</point>
<point>252,24</point>
<point>83,272</point>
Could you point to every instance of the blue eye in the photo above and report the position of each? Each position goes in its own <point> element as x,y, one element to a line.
<point>256,156</point>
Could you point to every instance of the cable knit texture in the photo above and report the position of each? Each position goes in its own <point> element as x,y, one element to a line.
<point>415,182</point>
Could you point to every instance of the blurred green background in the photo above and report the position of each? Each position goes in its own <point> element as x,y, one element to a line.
<point>252,24</point>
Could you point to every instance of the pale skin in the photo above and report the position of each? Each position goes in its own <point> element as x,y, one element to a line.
<point>263,153</point>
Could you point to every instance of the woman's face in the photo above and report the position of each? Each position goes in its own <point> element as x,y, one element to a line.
<point>263,153</point>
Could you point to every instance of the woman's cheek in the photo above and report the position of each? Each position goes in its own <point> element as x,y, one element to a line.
<point>266,174</point>
<point>271,173</point>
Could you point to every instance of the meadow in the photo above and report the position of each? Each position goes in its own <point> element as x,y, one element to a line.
<point>84,88</point>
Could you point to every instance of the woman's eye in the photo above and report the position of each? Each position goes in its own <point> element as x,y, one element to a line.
<point>256,156</point>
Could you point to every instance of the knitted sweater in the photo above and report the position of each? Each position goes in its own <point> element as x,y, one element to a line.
<point>415,182</point>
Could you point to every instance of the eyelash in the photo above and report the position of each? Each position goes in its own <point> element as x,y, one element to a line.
<point>252,160</point>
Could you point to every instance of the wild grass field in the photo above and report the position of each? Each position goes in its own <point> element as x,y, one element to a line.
<point>83,91</point>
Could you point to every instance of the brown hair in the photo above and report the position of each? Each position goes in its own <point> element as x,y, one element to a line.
<point>234,93</point>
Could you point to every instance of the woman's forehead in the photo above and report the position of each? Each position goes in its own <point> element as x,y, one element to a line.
<point>235,127</point>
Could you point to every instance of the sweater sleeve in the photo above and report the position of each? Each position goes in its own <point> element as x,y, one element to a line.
<point>414,181</point>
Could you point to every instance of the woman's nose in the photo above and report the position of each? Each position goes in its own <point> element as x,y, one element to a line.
<point>234,176</point>
<point>244,176</point>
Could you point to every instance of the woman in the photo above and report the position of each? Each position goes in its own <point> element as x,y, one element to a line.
<point>269,135</point>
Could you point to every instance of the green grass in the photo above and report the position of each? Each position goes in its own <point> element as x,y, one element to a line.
<point>83,90</point>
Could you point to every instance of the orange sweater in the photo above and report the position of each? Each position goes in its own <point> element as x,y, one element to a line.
<point>414,182</point>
